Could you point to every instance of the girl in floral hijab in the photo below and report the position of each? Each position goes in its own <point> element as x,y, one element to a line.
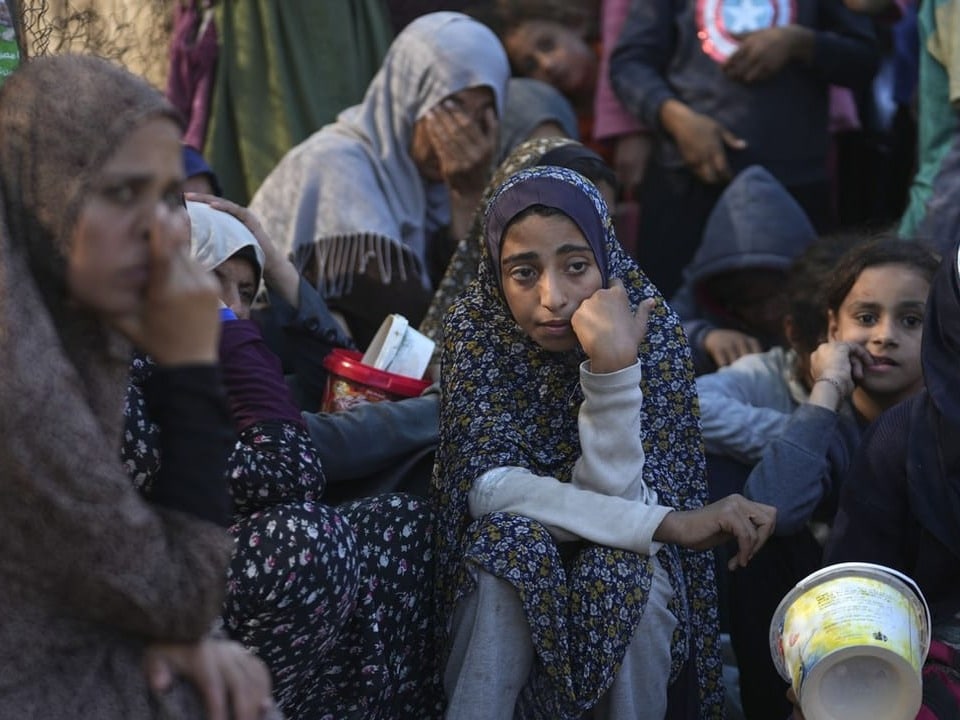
<point>550,531</point>
<point>560,151</point>
<point>466,257</point>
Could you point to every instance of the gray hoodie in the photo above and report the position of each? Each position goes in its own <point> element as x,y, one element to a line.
<point>757,224</point>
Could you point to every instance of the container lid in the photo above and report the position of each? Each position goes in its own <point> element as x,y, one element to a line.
<point>346,364</point>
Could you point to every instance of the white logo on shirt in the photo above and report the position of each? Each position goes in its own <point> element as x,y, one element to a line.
<point>720,21</point>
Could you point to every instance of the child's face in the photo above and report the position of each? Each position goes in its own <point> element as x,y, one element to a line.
<point>238,285</point>
<point>555,54</point>
<point>883,312</point>
<point>547,269</point>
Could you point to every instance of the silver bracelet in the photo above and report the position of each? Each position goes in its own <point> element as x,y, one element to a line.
<point>833,381</point>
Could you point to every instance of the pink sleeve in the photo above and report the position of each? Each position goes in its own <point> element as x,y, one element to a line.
<point>610,117</point>
<point>843,110</point>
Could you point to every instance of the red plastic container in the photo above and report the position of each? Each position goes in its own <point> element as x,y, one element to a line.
<point>351,382</point>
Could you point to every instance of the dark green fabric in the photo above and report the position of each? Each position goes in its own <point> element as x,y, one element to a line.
<point>285,70</point>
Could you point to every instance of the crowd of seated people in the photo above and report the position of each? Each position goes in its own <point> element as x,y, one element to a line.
<point>629,451</point>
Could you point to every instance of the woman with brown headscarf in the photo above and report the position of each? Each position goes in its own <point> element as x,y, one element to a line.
<point>107,594</point>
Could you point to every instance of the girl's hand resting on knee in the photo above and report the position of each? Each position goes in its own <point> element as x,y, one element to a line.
<point>733,517</point>
<point>232,683</point>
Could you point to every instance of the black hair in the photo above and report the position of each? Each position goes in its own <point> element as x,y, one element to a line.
<point>503,16</point>
<point>538,210</point>
<point>805,284</point>
<point>885,250</point>
<point>582,160</point>
<point>250,255</point>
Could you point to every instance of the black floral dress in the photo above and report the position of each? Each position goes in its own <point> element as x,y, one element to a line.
<point>336,600</point>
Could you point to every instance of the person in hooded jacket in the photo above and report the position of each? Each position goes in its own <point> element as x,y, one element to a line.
<point>731,302</point>
<point>870,360</point>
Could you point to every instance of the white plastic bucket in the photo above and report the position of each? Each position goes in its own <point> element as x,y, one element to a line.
<point>851,639</point>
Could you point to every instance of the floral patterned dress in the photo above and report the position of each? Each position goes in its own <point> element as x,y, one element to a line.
<point>336,600</point>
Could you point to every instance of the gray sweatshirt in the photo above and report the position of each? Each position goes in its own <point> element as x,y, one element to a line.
<point>607,501</point>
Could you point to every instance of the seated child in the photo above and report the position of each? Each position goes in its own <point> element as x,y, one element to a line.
<point>870,361</point>
<point>731,301</point>
<point>392,443</point>
<point>900,503</point>
<point>571,571</point>
<point>745,404</point>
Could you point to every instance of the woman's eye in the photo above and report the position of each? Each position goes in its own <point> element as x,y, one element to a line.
<point>912,321</point>
<point>121,194</point>
<point>866,318</point>
<point>545,44</point>
<point>522,274</point>
<point>174,199</point>
<point>578,266</point>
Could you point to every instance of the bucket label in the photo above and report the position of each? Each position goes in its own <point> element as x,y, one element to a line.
<point>343,394</point>
<point>848,612</point>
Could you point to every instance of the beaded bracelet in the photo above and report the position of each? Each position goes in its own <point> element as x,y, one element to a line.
<point>833,381</point>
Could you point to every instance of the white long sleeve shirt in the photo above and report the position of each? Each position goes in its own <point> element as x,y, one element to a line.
<point>607,501</point>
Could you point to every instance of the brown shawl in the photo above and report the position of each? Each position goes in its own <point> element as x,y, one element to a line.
<point>89,572</point>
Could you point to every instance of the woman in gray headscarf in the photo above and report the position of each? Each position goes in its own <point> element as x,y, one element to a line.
<point>534,110</point>
<point>372,206</point>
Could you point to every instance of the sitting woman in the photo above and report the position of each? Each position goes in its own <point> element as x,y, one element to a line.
<point>108,595</point>
<point>372,206</point>
<point>335,600</point>
<point>391,443</point>
<point>561,592</point>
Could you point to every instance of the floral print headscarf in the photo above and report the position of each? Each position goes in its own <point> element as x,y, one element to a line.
<point>462,268</point>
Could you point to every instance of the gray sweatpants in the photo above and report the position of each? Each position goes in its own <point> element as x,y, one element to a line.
<point>491,656</point>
